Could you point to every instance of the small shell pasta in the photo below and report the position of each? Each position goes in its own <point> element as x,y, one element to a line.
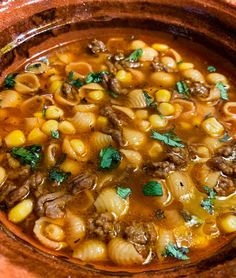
<point>26,83</point>
<point>109,200</point>
<point>134,138</point>
<point>136,99</point>
<point>84,121</point>
<point>10,98</point>
<point>133,157</point>
<point>100,140</point>
<point>122,252</point>
<point>165,237</point>
<point>91,251</point>
<point>81,68</point>
<point>194,75</point>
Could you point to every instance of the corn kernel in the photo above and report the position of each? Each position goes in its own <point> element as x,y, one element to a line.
<point>55,86</point>
<point>66,127</point>
<point>102,122</point>
<point>54,232</point>
<point>203,151</point>
<point>137,44</point>
<point>185,125</point>
<point>53,112</point>
<point>36,136</point>
<point>157,121</point>
<point>72,166</point>
<point>166,109</point>
<point>141,114</point>
<point>163,95</point>
<point>185,66</point>
<point>19,212</point>
<point>38,114</point>
<point>124,76</point>
<point>160,46</point>
<point>78,146</point>
<point>228,223</point>
<point>96,96</point>
<point>212,127</point>
<point>49,126</point>
<point>15,138</point>
<point>155,150</point>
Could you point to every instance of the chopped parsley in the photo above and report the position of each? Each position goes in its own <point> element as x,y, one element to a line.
<point>223,90</point>
<point>183,88</point>
<point>55,134</point>
<point>149,100</point>
<point>9,81</point>
<point>123,192</point>
<point>172,250</point>
<point>44,109</point>
<point>152,188</point>
<point>169,138</point>
<point>58,175</point>
<point>208,203</point>
<point>225,137</point>
<point>211,69</point>
<point>95,77</point>
<point>135,55</point>
<point>30,155</point>
<point>75,82</point>
<point>109,158</point>
<point>112,94</point>
<point>180,62</point>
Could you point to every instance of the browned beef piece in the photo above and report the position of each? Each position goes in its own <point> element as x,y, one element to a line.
<point>159,169</point>
<point>113,84</point>
<point>199,89</point>
<point>130,64</point>
<point>6,188</point>
<point>116,135</point>
<point>108,112</point>
<point>96,46</point>
<point>225,186</point>
<point>81,182</point>
<point>52,204</point>
<point>179,156</point>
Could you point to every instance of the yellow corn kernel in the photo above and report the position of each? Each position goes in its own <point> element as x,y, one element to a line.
<point>36,136</point>
<point>78,146</point>
<point>137,44</point>
<point>185,125</point>
<point>15,138</point>
<point>102,122</point>
<point>72,166</point>
<point>212,127</point>
<point>49,126</point>
<point>163,95</point>
<point>55,86</point>
<point>38,114</point>
<point>54,232</point>
<point>196,121</point>
<point>3,175</point>
<point>141,114</point>
<point>203,151</point>
<point>124,76</point>
<point>53,112</point>
<point>54,78</point>
<point>157,121</point>
<point>66,127</point>
<point>20,211</point>
<point>166,109</point>
<point>96,96</point>
<point>185,66</point>
<point>155,150</point>
<point>160,46</point>
<point>228,223</point>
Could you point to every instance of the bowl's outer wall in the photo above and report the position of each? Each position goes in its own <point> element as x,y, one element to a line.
<point>214,19</point>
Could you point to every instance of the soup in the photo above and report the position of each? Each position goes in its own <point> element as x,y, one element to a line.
<point>120,153</point>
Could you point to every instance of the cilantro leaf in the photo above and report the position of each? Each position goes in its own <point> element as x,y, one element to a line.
<point>152,188</point>
<point>225,137</point>
<point>183,88</point>
<point>180,62</point>
<point>208,203</point>
<point>123,192</point>
<point>109,158</point>
<point>223,90</point>
<point>44,109</point>
<point>135,55</point>
<point>169,138</point>
<point>172,250</point>
<point>55,134</point>
<point>149,100</point>
<point>211,69</point>
<point>30,155</point>
<point>9,81</point>
<point>58,175</point>
<point>75,82</point>
<point>112,94</point>
<point>95,77</point>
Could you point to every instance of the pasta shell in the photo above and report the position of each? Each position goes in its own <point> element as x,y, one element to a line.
<point>37,67</point>
<point>84,121</point>
<point>204,175</point>
<point>74,228</point>
<point>188,108</point>
<point>33,122</point>
<point>100,140</point>
<point>229,110</point>
<point>109,200</point>
<point>81,68</point>
<point>122,252</point>
<point>136,99</point>
<point>89,87</point>
<point>61,98</point>
<point>36,103</point>
<point>10,98</point>
<point>85,108</point>
<point>194,75</point>
<point>133,157</point>
<point>26,83</point>
<point>165,237</point>
<point>126,110</point>
<point>51,155</point>
<point>91,251</point>
<point>174,54</point>
<point>213,95</point>
<point>135,138</point>
<point>72,153</point>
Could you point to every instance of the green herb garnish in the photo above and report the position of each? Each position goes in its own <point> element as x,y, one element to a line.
<point>30,155</point>
<point>169,138</point>
<point>75,82</point>
<point>172,250</point>
<point>208,203</point>
<point>95,77</point>
<point>135,55</point>
<point>112,94</point>
<point>182,88</point>
<point>149,100</point>
<point>123,192</point>
<point>180,62</point>
<point>55,134</point>
<point>9,81</point>
<point>44,109</point>
<point>109,158</point>
<point>223,90</point>
<point>58,175</point>
<point>211,69</point>
<point>152,188</point>
<point>225,137</point>
<point>191,220</point>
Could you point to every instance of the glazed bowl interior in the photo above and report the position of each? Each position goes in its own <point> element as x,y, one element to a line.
<point>43,25</point>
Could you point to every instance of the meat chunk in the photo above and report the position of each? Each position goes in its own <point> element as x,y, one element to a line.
<point>179,156</point>
<point>108,112</point>
<point>199,89</point>
<point>96,46</point>
<point>130,64</point>
<point>111,83</point>
<point>6,188</point>
<point>160,169</point>
<point>225,186</point>
<point>116,135</point>
<point>81,182</point>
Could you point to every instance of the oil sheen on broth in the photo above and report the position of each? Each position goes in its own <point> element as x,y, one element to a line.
<point>119,152</point>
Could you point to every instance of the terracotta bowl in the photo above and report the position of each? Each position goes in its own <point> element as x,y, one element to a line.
<point>31,27</point>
